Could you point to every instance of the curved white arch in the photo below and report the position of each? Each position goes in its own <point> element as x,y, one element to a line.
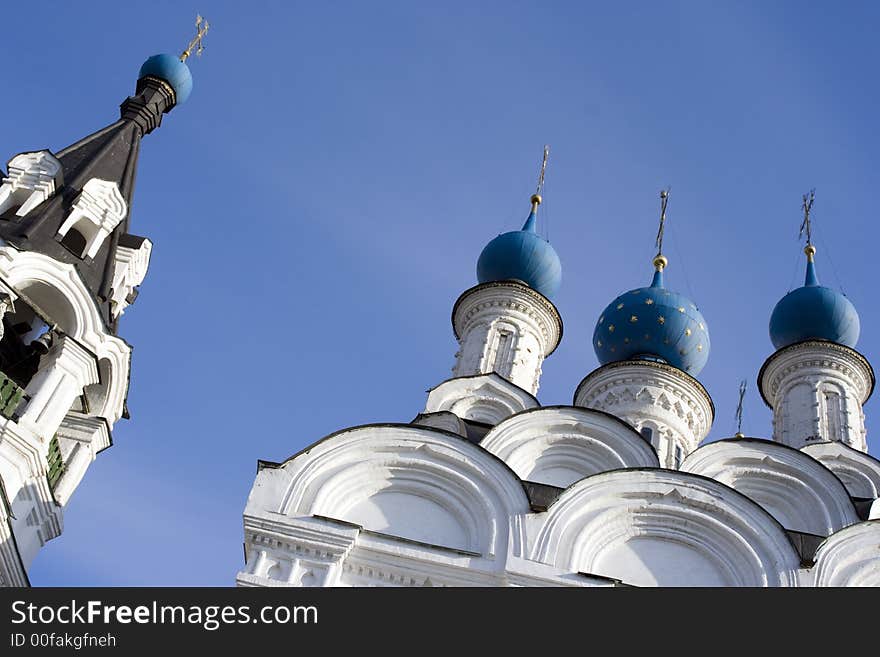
<point>558,445</point>
<point>797,490</point>
<point>413,482</point>
<point>859,472</point>
<point>487,398</point>
<point>851,557</point>
<point>24,269</point>
<point>666,528</point>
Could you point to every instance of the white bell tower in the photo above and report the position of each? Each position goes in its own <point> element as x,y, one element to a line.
<point>69,267</point>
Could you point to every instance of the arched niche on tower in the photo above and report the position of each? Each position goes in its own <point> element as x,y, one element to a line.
<point>558,445</point>
<point>63,300</point>
<point>414,483</point>
<point>664,528</point>
<point>797,490</point>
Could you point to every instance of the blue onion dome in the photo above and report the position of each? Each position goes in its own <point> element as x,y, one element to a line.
<point>522,255</point>
<point>653,323</point>
<point>814,312</point>
<point>173,71</point>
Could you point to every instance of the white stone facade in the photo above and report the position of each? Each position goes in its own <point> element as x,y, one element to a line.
<point>670,408</point>
<point>507,328</point>
<point>95,213</point>
<point>83,360</point>
<point>816,390</point>
<point>488,488</point>
<point>31,179</point>
<point>405,505</point>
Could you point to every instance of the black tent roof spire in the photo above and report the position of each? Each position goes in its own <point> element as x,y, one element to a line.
<point>84,216</point>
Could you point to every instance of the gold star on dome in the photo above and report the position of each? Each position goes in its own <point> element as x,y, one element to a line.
<point>680,309</point>
<point>661,319</point>
<point>611,328</point>
<point>602,319</point>
<point>633,319</point>
<point>649,301</point>
<point>687,331</point>
<point>619,306</point>
<point>626,341</point>
<point>599,343</point>
<point>699,347</point>
<point>702,328</point>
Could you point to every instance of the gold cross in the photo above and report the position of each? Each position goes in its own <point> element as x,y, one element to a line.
<point>201,30</point>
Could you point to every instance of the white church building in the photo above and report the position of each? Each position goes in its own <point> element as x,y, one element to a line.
<point>486,487</point>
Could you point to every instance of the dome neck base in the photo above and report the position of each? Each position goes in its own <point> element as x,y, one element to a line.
<point>153,98</point>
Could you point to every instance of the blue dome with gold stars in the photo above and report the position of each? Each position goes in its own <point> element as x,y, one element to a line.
<point>653,323</point>
<point>522,255</point>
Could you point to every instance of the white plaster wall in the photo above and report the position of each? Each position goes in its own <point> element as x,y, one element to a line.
<point>672,404</point>
<point>506,328</point>
<point>795,380</point>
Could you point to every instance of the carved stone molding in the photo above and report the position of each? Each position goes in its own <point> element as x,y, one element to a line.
<point>32,178</point>
<point>513,296</point>
<point>817,355</point>
<point>647,394</point>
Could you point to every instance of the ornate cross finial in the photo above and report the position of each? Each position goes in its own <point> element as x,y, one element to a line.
<point>664,199</point>
<point>201,30</point>
<point>739,409</point>
<point>660,260</point>
<point>536,197</point>
<point>806,225</point>
<point>540,188</point>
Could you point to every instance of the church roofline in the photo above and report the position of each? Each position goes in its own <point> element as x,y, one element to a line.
<point>580,409</point>
<point>262,464</point>
<point>490,374</point>
<point>713,482</point>
<point>774,444</point>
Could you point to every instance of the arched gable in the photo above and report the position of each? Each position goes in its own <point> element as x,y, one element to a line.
<point>859,472</point>
<point>850,557</point>
<point>558,445</point>
<point>486,398</point>
<point>797,490</point>
<point>660,527</point>
<point>416,483</point>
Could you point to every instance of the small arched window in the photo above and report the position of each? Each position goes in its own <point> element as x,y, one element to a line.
<point>75,242</point>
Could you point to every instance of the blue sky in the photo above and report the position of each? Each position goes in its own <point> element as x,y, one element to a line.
<point>321,200</point>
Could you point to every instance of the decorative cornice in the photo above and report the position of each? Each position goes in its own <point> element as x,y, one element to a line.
<point>770,377</point>
<point>684,378</point>
<point>552,330</point>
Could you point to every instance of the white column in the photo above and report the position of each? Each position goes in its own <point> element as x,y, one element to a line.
<point>505,327</point>
<point>669,408</point>
<point>63,373</point>
<point>816,390</point>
